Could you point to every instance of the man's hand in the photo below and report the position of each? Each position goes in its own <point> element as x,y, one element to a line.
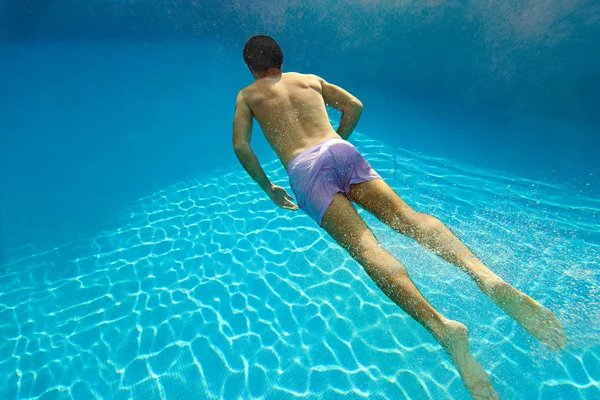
<point>281,197</point>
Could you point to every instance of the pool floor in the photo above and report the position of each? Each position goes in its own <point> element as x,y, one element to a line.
<point>206,290</point>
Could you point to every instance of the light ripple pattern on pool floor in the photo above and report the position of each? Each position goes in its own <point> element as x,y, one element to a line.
<point>209,291</point>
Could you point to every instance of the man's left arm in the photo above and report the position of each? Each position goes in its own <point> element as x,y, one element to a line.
<point>242,132</point>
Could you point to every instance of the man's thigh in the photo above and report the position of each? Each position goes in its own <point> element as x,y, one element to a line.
<point>377,197</point>
<point>347,227</point>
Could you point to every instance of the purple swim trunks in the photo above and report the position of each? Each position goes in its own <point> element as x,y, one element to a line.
<point>320,172</point>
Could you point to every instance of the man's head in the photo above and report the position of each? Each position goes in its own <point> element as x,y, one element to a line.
<point>262,53</point>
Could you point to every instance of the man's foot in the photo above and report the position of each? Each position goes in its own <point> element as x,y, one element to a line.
<point>540,322</point>
<point>455,341</point>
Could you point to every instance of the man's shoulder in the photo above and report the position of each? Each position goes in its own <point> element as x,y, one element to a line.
<point>246,89</point>
<point>301,75</point>
<point>245,92</point>
<point>306,80</point>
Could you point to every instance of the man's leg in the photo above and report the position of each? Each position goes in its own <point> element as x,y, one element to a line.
<point>379,199</point>
<point>347,228</point>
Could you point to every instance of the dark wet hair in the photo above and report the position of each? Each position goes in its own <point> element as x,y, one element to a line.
<point>262,52</point>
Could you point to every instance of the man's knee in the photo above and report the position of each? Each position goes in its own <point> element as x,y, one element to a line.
<point>365,251</point>
<point>430,223</point>
<point>420,222</point>
<point>374,257</point>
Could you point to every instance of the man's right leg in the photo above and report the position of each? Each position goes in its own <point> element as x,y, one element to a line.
<point>348,229</point>
<point>379,199</point>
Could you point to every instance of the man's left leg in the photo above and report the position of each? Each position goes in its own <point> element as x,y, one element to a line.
<point>379,199</point>
<point>348,229</point>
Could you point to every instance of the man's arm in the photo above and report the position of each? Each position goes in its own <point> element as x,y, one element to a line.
<point>349,105</point>
<point>242,132</point>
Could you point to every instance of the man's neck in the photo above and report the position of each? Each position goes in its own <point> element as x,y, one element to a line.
<point>275,72</point>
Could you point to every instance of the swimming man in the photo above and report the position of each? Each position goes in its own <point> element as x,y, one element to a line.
<point>327,174</point>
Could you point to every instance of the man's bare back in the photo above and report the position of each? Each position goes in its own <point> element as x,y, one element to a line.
<point>290,109</point>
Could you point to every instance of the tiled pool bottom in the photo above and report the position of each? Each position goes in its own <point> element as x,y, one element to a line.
<point>209,291</point>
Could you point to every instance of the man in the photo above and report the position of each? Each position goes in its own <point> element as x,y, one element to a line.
<point>328,174</point>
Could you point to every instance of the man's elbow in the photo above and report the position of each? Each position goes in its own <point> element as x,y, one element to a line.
<point>240,148</point>
<point>355,106</point>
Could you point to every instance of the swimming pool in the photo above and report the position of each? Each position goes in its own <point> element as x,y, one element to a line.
<point>139,261</point>
<point>205,290</point>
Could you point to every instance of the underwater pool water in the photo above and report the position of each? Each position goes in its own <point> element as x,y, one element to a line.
<point>205,290</point>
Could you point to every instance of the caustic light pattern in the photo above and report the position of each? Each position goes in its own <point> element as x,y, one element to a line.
<point>207,290</point>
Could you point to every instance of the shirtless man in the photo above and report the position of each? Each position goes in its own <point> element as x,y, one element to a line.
<point>327,174</point>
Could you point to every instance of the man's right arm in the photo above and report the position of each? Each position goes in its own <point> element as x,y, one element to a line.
<point>349,105</point>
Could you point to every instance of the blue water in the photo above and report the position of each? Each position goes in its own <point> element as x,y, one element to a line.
<point>206,288</point>
<point>138,260</point>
